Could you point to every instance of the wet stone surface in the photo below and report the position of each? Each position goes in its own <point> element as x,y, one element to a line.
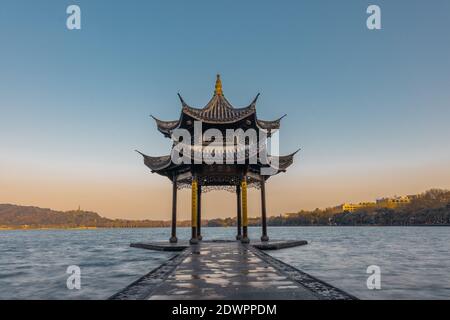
<point>228,271</point>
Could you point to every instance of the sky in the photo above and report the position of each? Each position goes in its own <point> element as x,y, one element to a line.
<point>369,108</point>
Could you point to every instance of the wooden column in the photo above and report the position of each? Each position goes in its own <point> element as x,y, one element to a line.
<point>199,212</point>
<point>239,213</point>
<point>245,238</point>
<point>173,238</point>
<point>264,236</point>
<point>194,204</point>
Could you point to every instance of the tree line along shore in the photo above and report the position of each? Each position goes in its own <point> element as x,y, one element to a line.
<point>431,208</point>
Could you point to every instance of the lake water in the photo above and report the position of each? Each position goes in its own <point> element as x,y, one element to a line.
<point>414,261</point>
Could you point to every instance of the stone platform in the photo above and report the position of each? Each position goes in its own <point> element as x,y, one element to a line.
<point>227,271</point>
<point>181,245</point>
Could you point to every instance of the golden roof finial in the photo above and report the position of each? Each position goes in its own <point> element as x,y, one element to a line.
<point>218,90</point>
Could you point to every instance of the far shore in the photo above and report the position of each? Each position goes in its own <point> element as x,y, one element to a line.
<point>255,226</point>
<point>50,228</point>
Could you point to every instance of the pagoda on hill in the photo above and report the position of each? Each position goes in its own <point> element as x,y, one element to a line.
<point>202,160</point>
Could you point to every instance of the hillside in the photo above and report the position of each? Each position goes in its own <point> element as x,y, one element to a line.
<point>22,217</point>
<point>429,208</point>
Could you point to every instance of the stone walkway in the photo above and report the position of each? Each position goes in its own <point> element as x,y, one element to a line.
<point>228,271</point>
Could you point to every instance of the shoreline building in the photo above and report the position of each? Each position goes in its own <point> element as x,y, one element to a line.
<point>352,207</point>
<point>200,169</point>
<point>390,203</point>
<point>393,202</point>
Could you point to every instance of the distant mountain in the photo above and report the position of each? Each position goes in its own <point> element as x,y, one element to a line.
<point>429,208</point>
<point>22,217</point>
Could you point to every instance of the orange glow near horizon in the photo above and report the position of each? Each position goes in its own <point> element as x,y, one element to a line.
<point>142,195</point>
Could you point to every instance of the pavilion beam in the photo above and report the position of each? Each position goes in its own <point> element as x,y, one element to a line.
<point>173,238</point>
<point>245,238</point>
<point>239,213</point>
<point>264,236</point>
<point>194,204</point>
<point>199,212</point>
<point>183,176</point>
<point>254,176</point>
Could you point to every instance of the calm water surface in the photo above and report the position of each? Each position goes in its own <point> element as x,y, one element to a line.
<point>414,261</point>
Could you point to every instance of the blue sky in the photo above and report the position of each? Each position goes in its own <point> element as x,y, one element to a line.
<point>75,104</point>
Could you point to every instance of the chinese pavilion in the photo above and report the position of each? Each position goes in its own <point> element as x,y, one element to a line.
<point>200,176</point>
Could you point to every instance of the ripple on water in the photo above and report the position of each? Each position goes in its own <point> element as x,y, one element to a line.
<point>414,261</point>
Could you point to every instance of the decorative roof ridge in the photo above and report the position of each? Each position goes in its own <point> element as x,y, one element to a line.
<point>284,161</point>
<point>164,121</point>
<point>153,157</point>
<point>156,163</point>
<point>166,127</point>
<point>183,103</point>
<point>287,155</point>
<point>210,103</point>
<point>270,124</point>
<point>218,97</point>
<point>276,120</point>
